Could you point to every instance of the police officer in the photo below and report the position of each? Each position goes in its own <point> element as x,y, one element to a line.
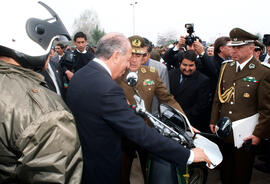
<point>149,85</point>
<point>243,90</point>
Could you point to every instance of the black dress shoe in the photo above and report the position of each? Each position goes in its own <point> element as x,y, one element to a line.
<point>262,167</point>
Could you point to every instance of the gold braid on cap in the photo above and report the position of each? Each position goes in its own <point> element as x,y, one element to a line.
<point>226,96</point>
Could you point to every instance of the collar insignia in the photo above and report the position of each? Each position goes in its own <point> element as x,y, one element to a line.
<point>251,66</point>
<point>143,70</point>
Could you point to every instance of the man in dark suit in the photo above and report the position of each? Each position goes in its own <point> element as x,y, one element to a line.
<point>242,91</point>
<point>265,57</point>
<point>149,85</point>
<point>190,89</point>
<point>103,116</point>
<point>53,76</point>
<point>60,49</point>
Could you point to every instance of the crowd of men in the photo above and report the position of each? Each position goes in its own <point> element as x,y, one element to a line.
<point>75,125</point>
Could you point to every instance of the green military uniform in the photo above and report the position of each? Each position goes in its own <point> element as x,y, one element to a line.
<point>149,85</point>
<point>38,138</point>
<point>240,95</point>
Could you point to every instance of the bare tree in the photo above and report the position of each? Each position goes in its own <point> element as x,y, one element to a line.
<point>88,23</point>
<point>166,38</point>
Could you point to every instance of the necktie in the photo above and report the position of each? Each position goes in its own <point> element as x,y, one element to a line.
<point>182,79</point>
<point>238,69</point>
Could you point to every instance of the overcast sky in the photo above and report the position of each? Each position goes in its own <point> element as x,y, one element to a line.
<point>211,18</point>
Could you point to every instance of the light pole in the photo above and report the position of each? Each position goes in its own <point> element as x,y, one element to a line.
<point>133,15</point>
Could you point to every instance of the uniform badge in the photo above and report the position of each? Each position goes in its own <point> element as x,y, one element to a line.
<point>136,42</point>
<point>143,70</point>
<point>246,95</point>
<point>251,66</point>
<point>148,82</point>
<point>152,69</point>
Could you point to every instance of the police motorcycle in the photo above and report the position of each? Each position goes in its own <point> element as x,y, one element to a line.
<point>173,124</point>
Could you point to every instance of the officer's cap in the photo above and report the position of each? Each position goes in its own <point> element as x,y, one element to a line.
<point>137,44</point>
<point>266,39</point>
<point>258,45</point>
<point>241,37</point>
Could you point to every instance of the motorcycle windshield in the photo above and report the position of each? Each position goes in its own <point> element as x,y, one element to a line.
<point>210,149</point>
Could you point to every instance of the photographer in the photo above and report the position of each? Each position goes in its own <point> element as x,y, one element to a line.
<point>174,56</point>
<point>191,42</point>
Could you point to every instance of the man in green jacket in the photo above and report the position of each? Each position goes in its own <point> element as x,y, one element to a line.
<point>38,138</point>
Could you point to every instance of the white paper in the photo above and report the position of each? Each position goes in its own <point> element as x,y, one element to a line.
<point>210,149</point>
<point>243,128</point>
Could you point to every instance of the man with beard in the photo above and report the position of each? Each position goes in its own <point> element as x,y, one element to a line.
<point>191,89</point>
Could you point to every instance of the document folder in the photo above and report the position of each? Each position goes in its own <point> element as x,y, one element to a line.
<point>243,128</point>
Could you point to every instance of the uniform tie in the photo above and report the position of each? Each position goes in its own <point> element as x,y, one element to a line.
<point>238,69</point>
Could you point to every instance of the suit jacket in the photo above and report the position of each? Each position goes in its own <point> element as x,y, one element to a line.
<point>193,96</point>
<point>262,57</point>
<point>149,85</point>
<point>163,75</point>
<point>55,59</point>
<point>103,117</point>
<point>59,78</point>
<point>252,87</point>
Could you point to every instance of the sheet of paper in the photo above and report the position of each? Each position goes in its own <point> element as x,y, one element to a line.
<point>243,128</point>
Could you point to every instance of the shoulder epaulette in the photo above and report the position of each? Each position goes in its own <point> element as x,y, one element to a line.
<point>266,64</point>
<point>227,61</point>
<point>152,69</point>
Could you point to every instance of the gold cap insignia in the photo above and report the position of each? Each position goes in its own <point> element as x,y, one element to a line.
<point>136,43</point>
<point>143,70</point>
<point>246,95</point>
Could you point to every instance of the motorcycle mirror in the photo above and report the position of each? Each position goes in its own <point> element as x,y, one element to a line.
<point>132,79</point>
<point>223,127</point>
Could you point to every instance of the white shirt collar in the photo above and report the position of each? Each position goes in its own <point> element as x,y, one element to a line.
<point>103,65</point>
<point>83,52</point>
<point>243,64</point>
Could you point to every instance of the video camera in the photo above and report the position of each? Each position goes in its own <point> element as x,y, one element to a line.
<point>190,30</point>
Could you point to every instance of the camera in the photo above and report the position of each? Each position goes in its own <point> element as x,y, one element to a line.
<point>190,38</point>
